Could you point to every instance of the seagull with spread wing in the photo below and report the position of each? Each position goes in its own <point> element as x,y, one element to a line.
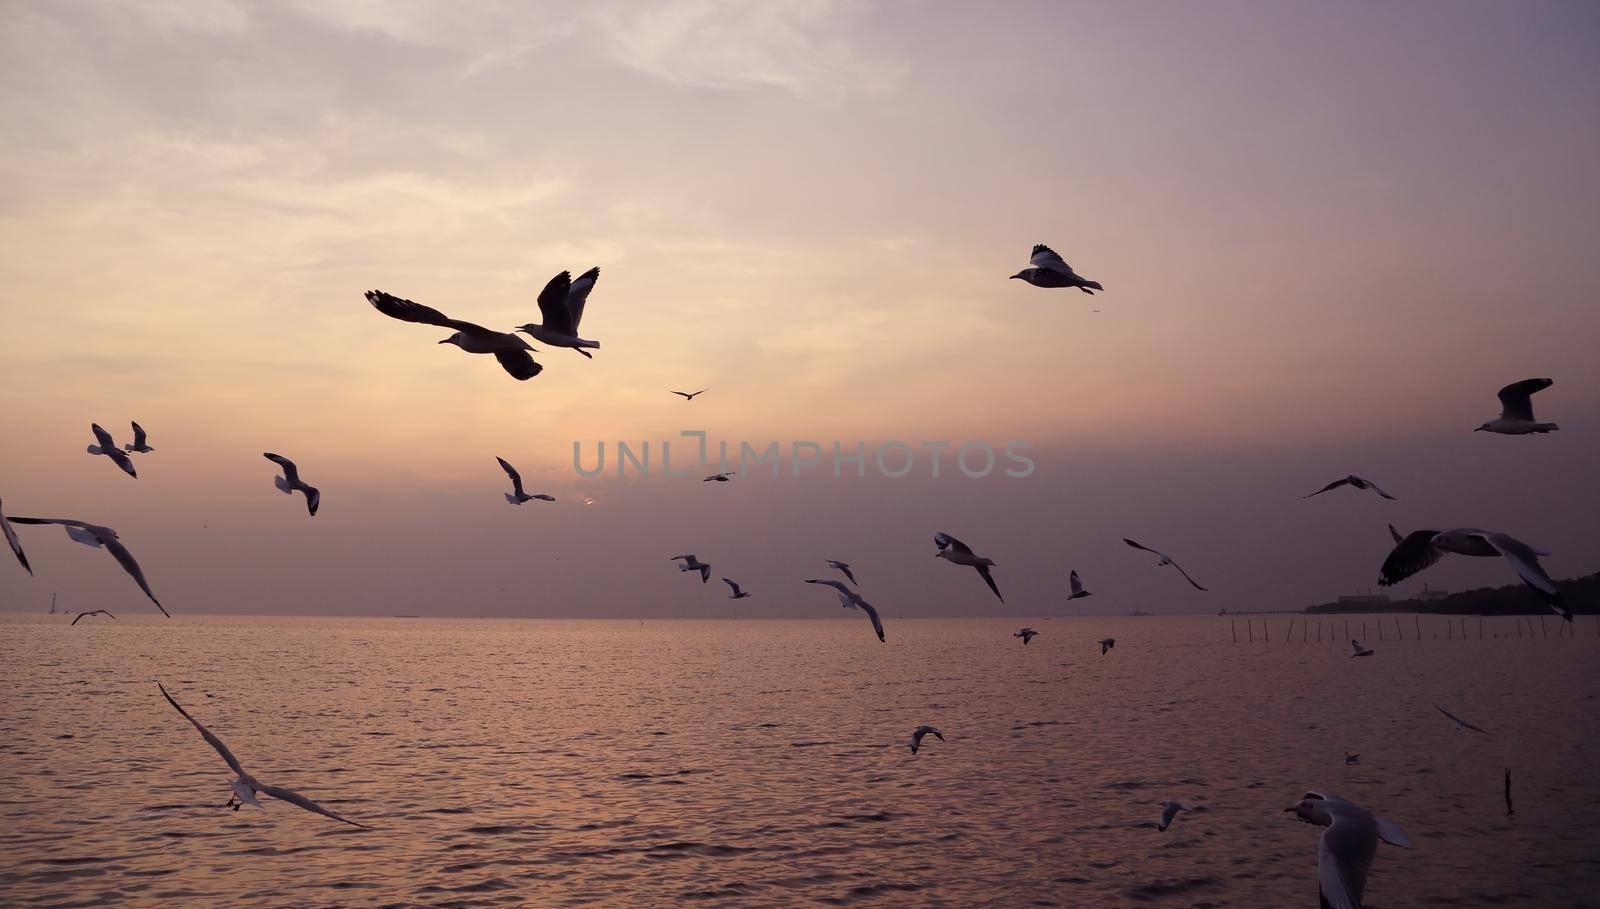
<point>80,615</point>
<point>1077,587</point>
<point>690,395</point>
<point>246,786</point>
<point>919,733</point>
<point>517,496</point>
<point>1421,548</point>
<point>139,442</point>
<point>849,599</point>
<point>1516,410</point>
<point>508,348</point>
<point>720,477</point>
<point>561,307</point>
<point>290,481</point>
<point>738,593</point>
<point>1346,849</point>
<point>1460,723</point>
<point>1106,644</point>
<point>13,542</point>
<point>1357,649</point>
<point>1027,634</point>
<point>1352,481</point>
<point>843,568</point>
<point>106,446</point>
<point>690,563</point>
<point>97,536</point>
<point>1046,269</point>
<point>1165,560</point>
<point>956,552</point>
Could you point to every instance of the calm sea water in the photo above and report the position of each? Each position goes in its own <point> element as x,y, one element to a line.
<point>764,763</point>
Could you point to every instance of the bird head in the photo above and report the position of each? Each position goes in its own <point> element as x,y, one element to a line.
<point>1312,811</point>
<point>1022,274</point>
<point>529,327</point>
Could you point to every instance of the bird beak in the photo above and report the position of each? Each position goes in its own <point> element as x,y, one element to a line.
<point>445,341</point>
<point>1292,808</point>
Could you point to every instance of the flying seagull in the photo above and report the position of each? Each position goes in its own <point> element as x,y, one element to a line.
<point>841,566</point>
<point>290,481</point>
<point>1516,410</point>
<point>1460,723</point>
<point>738,594</point>
<point>953,550</point>
<point>246,786</point>
<point>91,612</point>
<point>517,496</point>
<point>1357,650</point>
<point>1048,270</point>
<point>508,348</point>
<point>109,448</point>
<point>719,477</point>
<point>138,444</point>
<point>921,731</point>
<point>1354,481</point>
<point>1027,634</point>
<point>1351,758</point>
<point>690,395</point>
<point>1421,548</point>
<point>97,536</point>
<point>1077,587</point>
<point>1106,644</point>
<point>1346,849</point>
<point>849,599</point>
<point>11,538</point>
<point>561,308</point>
<point>690,563</point>
<point>1169,810</point>
<point>1165,560</point>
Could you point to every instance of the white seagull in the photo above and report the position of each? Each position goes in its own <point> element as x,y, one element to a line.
<point>290,481</point>
<point>1356,650</point>
<point>738,594</point>
<point>849,599</point>
<point>138,444</point>
<point>1169,810</point>
<point>1460,723</point>
<point>1346,849</point>
<point>690,563</point>
<point>1165,560</point>
<point>1027,634</point>
<point>109,448</point>
<point>508,348</point>
<point>1351,758</point>
<point>1049,270</point>
<point>91,612</point>
<point>517,496</point>
<point>1354,481</point>
<point>97,535</point>
<point>1516,410</point>
<point>1106,644</point>
<point>959,553</point>
<point>11,539</point>
<point>561,308</point>
<point>1077,587</point>
<point>921,731</point>
<point>246,786</point>
<point>1421,548</point>
<point>843,567</point>
<point>690,395</point>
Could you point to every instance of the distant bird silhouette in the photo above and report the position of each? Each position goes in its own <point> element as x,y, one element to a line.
<point>97,536</point>
<point>517,496</point>
<point>841,566</point>
<point>719,477</point>
<point>1049,270</point>
<point>138,444</point>
<point>509,349</point>
<point>737,594</point>
<point>109,448</point>
<point>91,612</point>
<point>956,552</point>
<point>920,732</point>
<point>1027,634</point>
<point>1357,650</point>
<point>690,563</point>
<point>13,542</point>
<point>1351,758</point>
<point>1351,480</point>
<point>1165,560</point>
<point>1460,723</point>
<point>1077,587</point>
<point>1169,810</point>
<point>1516,410</point>
<point>290,482</point>
<point>1106,644</point>
<point>690,395</point>
<point>1421,548</point>
<point>849,599</point>
<point>561,309</point>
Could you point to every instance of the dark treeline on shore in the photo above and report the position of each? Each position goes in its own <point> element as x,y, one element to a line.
<point>1582,594</point>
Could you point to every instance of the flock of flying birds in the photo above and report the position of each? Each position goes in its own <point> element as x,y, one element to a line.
<point>1346,847</point>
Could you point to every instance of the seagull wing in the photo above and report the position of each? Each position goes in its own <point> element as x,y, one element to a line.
<point>1344,856</point>
<point>295,798</point>
<point>1334,485</point>
<point>1077,585</point>
<point>516,478</point>
<point>519,363</point>
<point>406,311</point>
<point>836,585</point>
<point>553,304</point>
<point>79,618</point>
<point>944,540</point>
<point>732,584</point>
<point>1045,257</point>
<point>291,473</point>
<point>205,733</point>
<point>1525,561</point>
<point>138,436</point>
<point>125,559</point>
<point>1516,399</point>
<point>1142,546</point>
<point>1396,534</point>
<point>16,544</point>
<point>877,623</point>
<point>1186,575</point>
<point>989,579</point>
<point>1411,555</point>
<point>690,557</point>
<point>1377,489</point>
<point>578,295</point>
<point>1458,720</point>
<point>107,444</point>
<point>1168,813</point>
<point>846,569</point>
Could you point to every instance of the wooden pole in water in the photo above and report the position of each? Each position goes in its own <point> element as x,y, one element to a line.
<point>1235,629</point>
<point>1398,633</point>
<point>1302,632</point>
<point>1266,638</point>
<point>1380,629</point>
<point>1480,627</point>
<point>1544,629</point>
<point>1250,626</point>
<point>1319,632</point>
<point>1519,629</point>
<point>1418,619</point>
<point>1290,633</point>
<point>1347,628</point>
<point>1449,629</point>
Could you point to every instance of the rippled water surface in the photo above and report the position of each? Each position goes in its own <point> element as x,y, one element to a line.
<point>764,763</point>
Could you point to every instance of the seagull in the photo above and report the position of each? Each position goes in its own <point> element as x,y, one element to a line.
<point>246,786</point>
<point>690,395</point>
<point>1048,270</point>
<point>1351,758</point>
<point>1460,723</point>
<point>1027,634</point>
<point>1169,810</point>
<point>1106,644</point>
<point>91,612</point>
<point>1398,537</point>
<point>921,731</point>
<point>11,538</point>
<point>1357,650</point>
<point>1516,410</point>
<point>290,481</point>
<point>109,448</point>
<point>953,550</point>
<point>561,308</point>
<point>1351,480</point>
<point>138,444</point>
<point>517,496</point>
<point>720,477</point>
<point>690,563</point>
<point>1077,587</point>
<point>738,594</point>
<point>1346,849</point>
<point>1422,548</point>
<point>842,566</point>
<point>97,536</point>
<point>849,599</point>
<point>508,348</point>
<point>1165,560</point>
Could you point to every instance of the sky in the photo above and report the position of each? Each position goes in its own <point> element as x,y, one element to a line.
<point>1328,234</point>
